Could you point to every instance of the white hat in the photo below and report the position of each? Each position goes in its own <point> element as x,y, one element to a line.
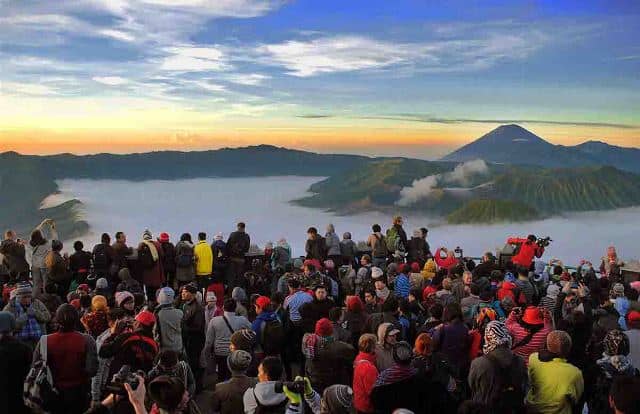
<point>376,273</point>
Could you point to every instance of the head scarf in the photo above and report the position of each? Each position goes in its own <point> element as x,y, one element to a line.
<point>615,358</point>
<point>496,334</point>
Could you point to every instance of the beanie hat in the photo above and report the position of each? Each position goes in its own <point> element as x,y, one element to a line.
<point>533,316</point>
<point>298,263</point>
<point>219,236</point>
<point>244,339</point>
<point>7,322</point>
<point>238,294</point>
<point>99,303</point>
<point>191,287</point>
<point>239,361</point>
<point>402,353</point>
<point>164,237</point>
<point>496,334</point>
<point>23,289</point>
<point>618,290</point>
<point>146,235</point>
<point>559,343</point>
<point>102,283</point>
<point>122,297</point>
<point>376,273</point>
<point>509,277</point>
<point>76,304</point>
<point>263,301</point>
<point>415,267</point>
<point>354,304</point>
<point>633,316</point>
<point>616,342</point>
<point>211,296</point>
<point>324,327</point>
<point>338,398</point>
<point>166,295</point>
<point>553,290</point>
<point>146,318</point>
<point>83,287</point>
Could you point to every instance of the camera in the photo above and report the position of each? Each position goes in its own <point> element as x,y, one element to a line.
<point>544,242</point>
<point>458,252</point>
<point>124,376</point>
<point>293,386</point>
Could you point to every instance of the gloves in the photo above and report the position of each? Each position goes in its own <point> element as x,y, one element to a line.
<point>294,398</point>
<point>308,391</point>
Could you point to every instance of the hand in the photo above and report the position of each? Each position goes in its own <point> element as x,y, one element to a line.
<point>517,311</point>
<point>31,311</point>
<point>308,390</point>
<point>294,398</point>
<point>566,289</point>
<point>582,290</point>
<point>136,397</point>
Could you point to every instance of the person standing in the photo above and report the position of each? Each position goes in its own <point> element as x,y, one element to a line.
<point>150,258</point>
<point>204,261</point>
<point>168,259</point>
<point>228,395</point>
<point>120,253</point>
<point>15,360</point>
<point>192,329</point>
<point>378,244</point>
<point>31,316</point>
<point>103,259</point>
<point>40,248</point>
<point>80,263</point>
<point>185,262</point>
<point>14,259</point>
<point>237,246</point>
<point>333,245</point>
<point>168,327</point>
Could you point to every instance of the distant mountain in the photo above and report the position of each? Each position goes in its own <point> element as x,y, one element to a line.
<point>512,144</point>
<point>492,211</point>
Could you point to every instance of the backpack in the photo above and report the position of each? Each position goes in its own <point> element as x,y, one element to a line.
<point>269,409</point>
<point>511,395</point>
<point>145,258</point>
<point>272,337</point>
<point>39,393</point>
<point>185,259</point>
<point>379,248</point>
<point>394,243</point>
<point>100,257</point>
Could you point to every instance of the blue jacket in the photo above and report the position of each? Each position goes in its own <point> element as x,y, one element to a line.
<point>403,286</point>
<point>265,316</point>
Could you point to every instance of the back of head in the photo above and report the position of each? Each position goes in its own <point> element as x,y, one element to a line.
<point>337,399</point>
<point>452,312</point>
<point>229,305</point>
<point>240,226</point>
<point>202,236</point>
<point>67,317</point>
<point>167,392</point>
<point>168,358</point>
<point>625,394</point>
<point>105,238</point>
<point>367,343</point>
<point>376,228</point>
<point>559,343</point>
<point>78,246</point>
<point>402,353</point>
<point>272,367</point>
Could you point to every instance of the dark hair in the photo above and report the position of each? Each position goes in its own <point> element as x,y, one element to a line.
<point>293,283</point>
<point>288,268</point>
<point>532,238</point>
<point>78,246</point>
<point>168,358</point>
<point>335,313</point>
<point>119,235</point>
<point>85,301</point>
<point>105,238</point>
<point>311,267</point>
<point>416,293</point>
<point>50,288</point>
<point>229,305</point>
<point>277,297</point>
<point>376,228</point>
<point>167,392</point>
<point>312,230</point>
<point>272,367</point>
<point>202,236</point>
<point>522,270</point>
<point>56,245</point>
<point>241,225</point>
<point>186,237</point>
<point>452,312</point>
<point>625,393</point>
<point>475,289</point>
<point>37,239</point>
<point>424,231</point>
<point>390,305</point>
<point>403,304</point>
<point>114,314</point>
<point>370,291</point>
<point>67,318</point>
<point>436,310</point>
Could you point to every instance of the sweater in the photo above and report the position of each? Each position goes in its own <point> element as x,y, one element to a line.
<point>518,333</point>
<point>72,358</point>
<point>219,335</point>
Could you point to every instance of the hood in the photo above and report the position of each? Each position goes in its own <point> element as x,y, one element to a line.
<point>124,274</point>
<point>238,294</point>
<point>267,316</point>
<point>266,394</point>
<point>430,266</point>
<point>363,356</point>
<point>383,329</point>
<point>503,356</point>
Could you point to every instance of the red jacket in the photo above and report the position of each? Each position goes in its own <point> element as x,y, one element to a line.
<point>527,251</point>
<point>507,289</point>
<point>365,374</point>
<point>445,263</point>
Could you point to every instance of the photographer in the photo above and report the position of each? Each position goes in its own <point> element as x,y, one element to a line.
<point>336,399</point>
<point>528,249</point>
<point>264,396</point>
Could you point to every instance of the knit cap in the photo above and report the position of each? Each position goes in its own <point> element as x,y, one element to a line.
<point>618,290</point>
<point>239,361</point>
<point>146,318</point>
<point>166,295</point>
<point>99,303</point>
<point>338,398</point>
<point>402,353</point>
<point>376,273</point>
<point>122,297</point>
<point>146,235</point>
<point>324,327</point>
<point>244,339</point>
<point>102,283</point>
<point>298,263</point>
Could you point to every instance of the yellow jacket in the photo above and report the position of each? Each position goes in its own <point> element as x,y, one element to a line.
<point>204,258</point>
<point>429,270</point>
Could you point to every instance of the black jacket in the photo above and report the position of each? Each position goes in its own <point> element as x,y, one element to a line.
<point>15,361</point>
<point>14,256</point>
<point>238,244</point>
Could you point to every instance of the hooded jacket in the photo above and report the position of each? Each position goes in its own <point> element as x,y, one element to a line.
<point>528,250</point>
<point>365,374</point>
<point>204,258</point>
<point>485,375</point>
<point>14,256</point>
<point>265,394</point>
<point>384,355</point>
<point>168,328</point>
<point>333,244</point>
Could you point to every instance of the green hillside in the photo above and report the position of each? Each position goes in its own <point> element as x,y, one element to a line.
<point>492,211</point>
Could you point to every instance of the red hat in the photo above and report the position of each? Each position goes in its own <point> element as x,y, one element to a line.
<point>84,287</point>
<point>354,304</point>
<point>76,304</point>
<point>263,302</point>
<point>146,318</point>
<point>533,316</point>
<point>633,316</point>
<point>164,237</point>
<point>415,267</point>
<point>324,327</point>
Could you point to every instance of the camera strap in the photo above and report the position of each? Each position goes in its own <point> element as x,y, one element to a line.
<point>228,324</point>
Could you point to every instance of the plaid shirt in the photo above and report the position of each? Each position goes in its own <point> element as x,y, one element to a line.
<point>31,329</point>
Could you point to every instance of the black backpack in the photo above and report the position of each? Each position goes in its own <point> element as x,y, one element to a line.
<point>511,400</point>
<point>100,257</point>
<point>272,337</point>
<point>185,258</point>
<point>145,258</point>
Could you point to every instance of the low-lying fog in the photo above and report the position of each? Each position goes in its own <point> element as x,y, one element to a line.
<point>215,204</point>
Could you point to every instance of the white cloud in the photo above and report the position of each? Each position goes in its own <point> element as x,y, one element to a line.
<point>194,59</point>
<point>248,79</point>
<point>26,89</point>
<point>110,80</point>
<point>117,34</point>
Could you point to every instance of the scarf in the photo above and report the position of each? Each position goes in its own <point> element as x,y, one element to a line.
<point>496,334</point>
<point>152,249</point>
<point>616,364</point>
<point>311,343</point>
<point>31,329</point>
<point>383,293</point>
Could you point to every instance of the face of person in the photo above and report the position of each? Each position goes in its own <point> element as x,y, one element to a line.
<point>466,279</point>
<point>25,300</point>
<point>368,297</point>
<point>258,310</point>
<point>321,294</point>
<point>123,238</point>
<point>379,285</point>
<point>311,236</point>
<point>611,251</point>
<point>262,376</point>
<point>186,295</point>
<point>363,262</point>
<point>306,271</point>
<point>129,305</point>
<point>392,339</point>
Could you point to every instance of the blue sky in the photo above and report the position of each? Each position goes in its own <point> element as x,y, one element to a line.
<point>209,68</point>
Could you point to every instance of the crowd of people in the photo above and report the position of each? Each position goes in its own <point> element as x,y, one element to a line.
<point>386,328</point>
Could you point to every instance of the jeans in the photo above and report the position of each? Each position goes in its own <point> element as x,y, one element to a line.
<point>380,262</point>
<point>39,275</point>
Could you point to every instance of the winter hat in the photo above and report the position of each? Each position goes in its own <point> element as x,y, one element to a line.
<point>83,288</point>
<point>166,295</point>
<point>76,304</point>
<point>324,327</point>
<point>211,297</point>
<point>99,303</point>
<point>124,274</point>
<point>102,283</point>
<point>346,235</point>
<point>239,361</point>
<point>616,342</point>
<point>415,267</point>
<point>338,398</point>
<point>553,290</point>
<point>633,316</point>
<point>218,237</point>
<point>496,334</point>
<point>402,353</point>
<point>191,287</point>
<point>244,339</point>
<point>146,318</point>
<point>329,264</point>
<point>354,303</point>
<point>122,297</point>
<point>146,235</point>
<point>167,392</point>
<point>263,302</point>
<point>268,245</point>
<point>618,290</point>
<point>238,294</point>
<point>559,343</point>
<point>23,289</point>
<point>298,263</point>
<point>376,273</point>
<point>7,322</point>
<point>509,277</point>
<point>392,269</point>
<point>533,316</point>
<point>164,237</point>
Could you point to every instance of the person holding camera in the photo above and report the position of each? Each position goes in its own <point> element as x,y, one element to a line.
<point>529,248</point>
<point>264,396</point>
